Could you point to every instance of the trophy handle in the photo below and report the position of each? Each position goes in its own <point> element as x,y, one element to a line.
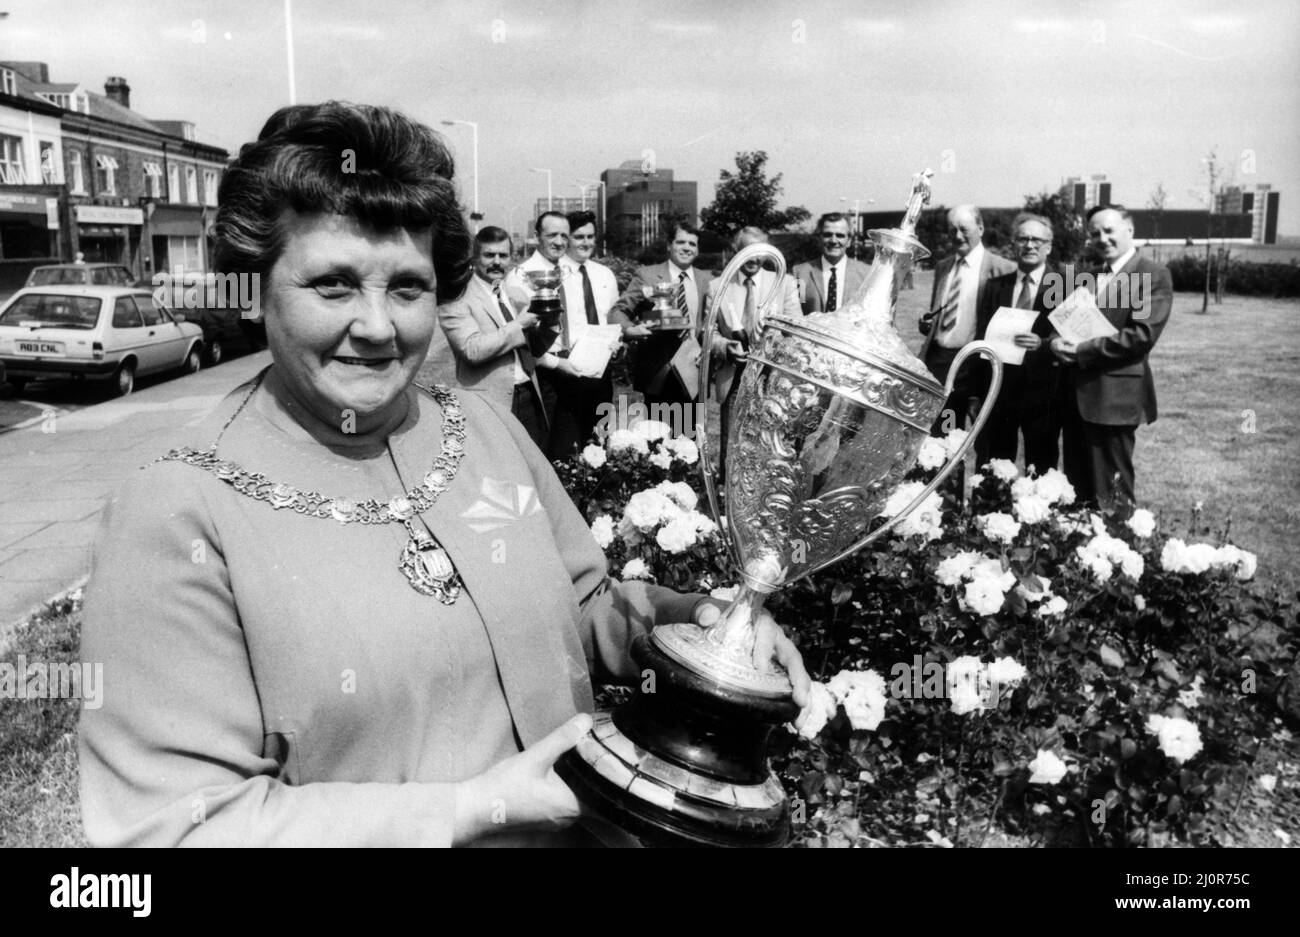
<point>984,350</point>
<point>743,256</point>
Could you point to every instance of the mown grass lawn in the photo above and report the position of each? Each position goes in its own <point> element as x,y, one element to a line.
<point>1228,437</point>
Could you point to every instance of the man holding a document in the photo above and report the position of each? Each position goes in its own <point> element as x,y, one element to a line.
<point>1013,318</point>
<point>1104,338</point>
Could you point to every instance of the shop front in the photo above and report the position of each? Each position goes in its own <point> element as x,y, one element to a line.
<point>29,235</point>
<point>177,233</point>
<point>106,234</point>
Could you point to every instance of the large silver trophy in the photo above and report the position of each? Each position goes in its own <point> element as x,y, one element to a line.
<point>831,412</point>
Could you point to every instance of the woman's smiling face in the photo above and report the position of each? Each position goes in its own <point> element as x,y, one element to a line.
<point>350,312</point>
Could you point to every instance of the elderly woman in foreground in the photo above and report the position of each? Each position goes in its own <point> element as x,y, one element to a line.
<point>351,611</point>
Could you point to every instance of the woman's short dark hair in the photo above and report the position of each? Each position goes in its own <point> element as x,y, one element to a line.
<point>369,163</point>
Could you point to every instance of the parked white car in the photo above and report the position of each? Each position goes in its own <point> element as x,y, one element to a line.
<point>105,333</point>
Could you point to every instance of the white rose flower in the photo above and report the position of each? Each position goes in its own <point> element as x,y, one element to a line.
<point>952,570</point>
<point>862,693</point>
<point>1004,469</point>
<point>926,521</point>
<point>1047,768</point>
<point>683,450</point>
<point>820,710</point>
<point>999,526</point>
<point>702,523</point>
<point>647,509</point>
<point>1142,523</point>
<point>1200,557</point>
<point>1056,605</point>
<point>976,479</point>
<point>1055,487</point>
<point>1100,567</point>
<point>1031,509</point>
<point>1267,781</point>
<point>1173,556</point>
<point>1132,564</point>
<point>636,568</point>
<point>952,441</point>
<point>594,455</point>
<point>932,455</point>
<point>622,439</point>
<point>984,596</point>
<point>1023,488</point>
<point>680,493</point>
<point>1140,603</point>
<point>1178,738</point>
<point>661,459</point>
<point>677,536</point>
<point>990,567</point>
<point>1006,672</point>
<point>650,430</point>
<point>602,528</point>
<point>1243,562</point>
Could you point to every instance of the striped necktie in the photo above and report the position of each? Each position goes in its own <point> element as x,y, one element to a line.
<point>526,359</point>
<point>751,312</point>
<point>564,312</point>
<point>953,300</point>
<point>682,305</point>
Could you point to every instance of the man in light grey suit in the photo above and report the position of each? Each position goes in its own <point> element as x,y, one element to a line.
<point>960,282</point>
<point>488,330</point>
<point>830,282</point>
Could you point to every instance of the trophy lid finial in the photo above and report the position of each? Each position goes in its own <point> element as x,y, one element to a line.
<point>919,199</point>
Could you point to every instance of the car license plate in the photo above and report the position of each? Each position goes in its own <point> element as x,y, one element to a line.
<point>40,348</point>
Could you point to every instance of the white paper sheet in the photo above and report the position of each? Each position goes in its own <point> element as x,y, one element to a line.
<point>1006,324</point>
<point>1077,319</point>
<point>593,347</point>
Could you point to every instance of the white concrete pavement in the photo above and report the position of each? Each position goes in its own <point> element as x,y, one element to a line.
<point>56,474</point>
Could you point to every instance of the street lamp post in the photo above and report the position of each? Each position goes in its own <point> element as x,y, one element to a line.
<point>857,221</point>
<point>550,200</point>
<point>477,216</point>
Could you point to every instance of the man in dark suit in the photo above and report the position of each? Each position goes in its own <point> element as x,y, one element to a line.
<point>1027,402</point>
<point>831,281</point>
<point>1109,389</point>
<point>488,330</point>
<point>960,282</point>
<point>653,373</point>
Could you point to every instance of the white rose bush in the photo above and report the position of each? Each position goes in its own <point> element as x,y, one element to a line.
<point>1011,660</point>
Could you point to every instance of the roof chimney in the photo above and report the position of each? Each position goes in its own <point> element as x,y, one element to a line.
<point>118,90</point>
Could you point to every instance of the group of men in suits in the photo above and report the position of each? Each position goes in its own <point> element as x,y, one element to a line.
<point>1079,403</point>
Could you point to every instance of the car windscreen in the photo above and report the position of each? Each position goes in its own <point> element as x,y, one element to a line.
<point>52,310</point>
<point>57,276</point>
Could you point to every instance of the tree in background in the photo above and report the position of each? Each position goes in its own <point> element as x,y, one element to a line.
<point>1157,202</point>
<point>1069,238</point>
<point>748,197</point>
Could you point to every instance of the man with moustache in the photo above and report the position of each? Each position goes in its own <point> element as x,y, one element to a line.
<point>960,282</point>
<point>829,282</point>
<point>590,289</point>
<point>1109,388</point>
<point>1027,402</point>
<point>552,345</point>
<point>653,373</point>
<point>488,330</point>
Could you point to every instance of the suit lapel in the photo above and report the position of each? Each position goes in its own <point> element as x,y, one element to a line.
<point>488,302</point>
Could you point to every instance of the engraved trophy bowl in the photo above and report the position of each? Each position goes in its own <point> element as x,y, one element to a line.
<point>663,315</point>
<point>546,303</point>
<point>831,412</point>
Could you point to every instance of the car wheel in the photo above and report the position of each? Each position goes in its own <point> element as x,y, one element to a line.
<point>19,384</point>
<point>193,360</point>
<point>216,352</point>
<point>124,380</point>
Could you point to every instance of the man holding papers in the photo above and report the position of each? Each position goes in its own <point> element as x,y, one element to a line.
<point>1108,388</point>
<point>1014,318</point>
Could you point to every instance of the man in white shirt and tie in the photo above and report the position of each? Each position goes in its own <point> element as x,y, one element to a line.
<point>831,281</point>
<point>552,230</point>
<point>1027,403</point>
<point>590,289</point>
<point>488,330</point>
<point>960,281</point>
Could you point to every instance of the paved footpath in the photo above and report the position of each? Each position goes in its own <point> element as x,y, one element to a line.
<point>56,475</point>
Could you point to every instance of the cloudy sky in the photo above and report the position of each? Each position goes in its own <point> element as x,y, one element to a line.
<point>847,98</point>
